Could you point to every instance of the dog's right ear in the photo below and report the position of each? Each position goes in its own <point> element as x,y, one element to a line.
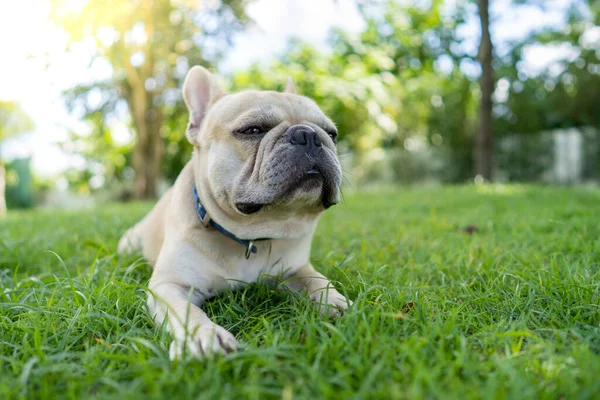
<point>200,91</point>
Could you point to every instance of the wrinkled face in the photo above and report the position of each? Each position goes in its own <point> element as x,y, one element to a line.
<point>269,151</point>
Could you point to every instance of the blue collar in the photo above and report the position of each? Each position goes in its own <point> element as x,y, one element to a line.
<point>207,220</point>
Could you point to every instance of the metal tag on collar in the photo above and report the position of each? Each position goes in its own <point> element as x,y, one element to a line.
<point>249,249</point>
<point>205,219</point>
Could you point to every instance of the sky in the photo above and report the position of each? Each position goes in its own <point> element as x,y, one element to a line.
<point>35,68</point>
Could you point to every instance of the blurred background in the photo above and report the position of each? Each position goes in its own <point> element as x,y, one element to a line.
<point>423,91</point>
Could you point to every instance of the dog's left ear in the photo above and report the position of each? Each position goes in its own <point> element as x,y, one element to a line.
<point>200,91</point>
<point>290,86</point>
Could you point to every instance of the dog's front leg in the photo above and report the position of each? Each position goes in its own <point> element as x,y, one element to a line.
<point>320,290</point>
<point>193,332</point>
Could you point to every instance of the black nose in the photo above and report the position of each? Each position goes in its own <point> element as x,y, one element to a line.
<point>304,135</point>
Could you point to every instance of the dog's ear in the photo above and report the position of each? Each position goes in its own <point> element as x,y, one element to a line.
<point>200,91</point>
<point>290,86</point>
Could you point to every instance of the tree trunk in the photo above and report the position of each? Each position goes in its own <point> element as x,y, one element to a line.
<point>485,140</point>
<point>147,118</point>
<point>147,153</point>
<point>2,190</point>
<point>147,156</point>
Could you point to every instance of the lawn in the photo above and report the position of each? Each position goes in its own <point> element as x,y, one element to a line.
<point>507,308</point>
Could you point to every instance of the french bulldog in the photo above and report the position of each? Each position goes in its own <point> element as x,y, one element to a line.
<point>263,170</point>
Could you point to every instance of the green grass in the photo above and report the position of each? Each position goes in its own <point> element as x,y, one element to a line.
<point>511,311</point>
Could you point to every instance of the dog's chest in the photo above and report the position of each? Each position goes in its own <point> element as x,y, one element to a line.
<point>272,260</point>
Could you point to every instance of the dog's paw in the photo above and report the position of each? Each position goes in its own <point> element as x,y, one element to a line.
<point>129,243</point>
<point>330,302</point>
<point>207,341</point>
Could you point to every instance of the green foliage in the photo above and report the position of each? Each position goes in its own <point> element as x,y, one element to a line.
<point>510,311</point>
<point>178,150</point>
<point>406,76</point>
<point>149,46</point>
<point>561,96</point>
<point>104,157</point>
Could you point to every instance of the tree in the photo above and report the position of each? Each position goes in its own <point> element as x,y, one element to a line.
<point>150,45</point>
<point>13,121</point>
<point>484,140</point>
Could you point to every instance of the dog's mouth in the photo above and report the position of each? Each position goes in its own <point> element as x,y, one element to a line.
<point>307,184</point>
<point>249,208</point>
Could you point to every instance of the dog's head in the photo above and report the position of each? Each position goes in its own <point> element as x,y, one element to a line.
<point>261,155</point>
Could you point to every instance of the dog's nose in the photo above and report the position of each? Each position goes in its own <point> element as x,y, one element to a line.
<point>304,135</point>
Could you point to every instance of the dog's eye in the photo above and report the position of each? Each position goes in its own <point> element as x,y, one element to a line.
<point>252,130</point>
<point>333,134</point>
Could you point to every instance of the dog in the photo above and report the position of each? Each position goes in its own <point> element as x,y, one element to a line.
<point>263,170</point>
